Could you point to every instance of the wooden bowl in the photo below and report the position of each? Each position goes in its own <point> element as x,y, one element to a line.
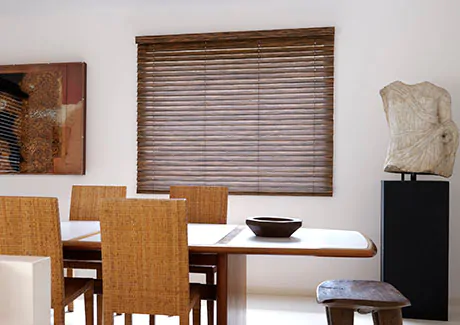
<point>273,226</point>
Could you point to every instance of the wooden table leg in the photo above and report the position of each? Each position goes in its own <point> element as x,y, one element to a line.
<point>231,289</point>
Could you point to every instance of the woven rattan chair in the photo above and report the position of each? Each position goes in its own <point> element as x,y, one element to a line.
<point>206,204</point>
<point>31,226</point>
<point>145,257</point>
<point>85,200</point>
<point>84,203</point>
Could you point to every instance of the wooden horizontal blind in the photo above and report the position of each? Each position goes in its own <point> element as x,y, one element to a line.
<point>252,111</point>
<point>10,131</point>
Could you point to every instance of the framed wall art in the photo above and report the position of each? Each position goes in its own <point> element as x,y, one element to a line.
<point>42,118</point>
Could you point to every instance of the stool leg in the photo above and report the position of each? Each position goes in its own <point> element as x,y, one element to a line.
<point>388,317</point>
<point>339,316</point>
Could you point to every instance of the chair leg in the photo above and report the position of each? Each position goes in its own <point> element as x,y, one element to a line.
<point>107,315</point>
<point>128,319</point>
<point>99,301</point>
<point>339,316</point>
<point>197,313</point>
<point>69,274</point>
<point>184,319</point>
<point>59,316</point>
<point>388,317</point>
<point>89,306</point>
<point>152,320</point>
<point>210,279</point>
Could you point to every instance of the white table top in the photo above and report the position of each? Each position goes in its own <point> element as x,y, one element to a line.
<point>195,235</point>
<point>238,239</point>
<point>75,229</point>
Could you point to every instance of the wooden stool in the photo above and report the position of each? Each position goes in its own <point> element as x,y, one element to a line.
<point>343,297</point>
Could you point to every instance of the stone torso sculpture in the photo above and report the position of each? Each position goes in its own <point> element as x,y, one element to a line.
<point>423,137</point>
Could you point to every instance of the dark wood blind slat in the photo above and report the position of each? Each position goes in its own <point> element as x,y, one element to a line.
<point>252,111</point>
<point>216,134</point>
<point>316,165</point>
<point>310,77</point>
<point>245,149</point>
<point>268,107</point>
<point>249,57</point>
<point>252,129</point>
<point>235,156</point>
<point>318,112</point>
<point>155,84</point>
<point>249,64</point>
<point>267,71</point>
<point>202,91</point>
<point>209,100</point>
<point>218,47</point>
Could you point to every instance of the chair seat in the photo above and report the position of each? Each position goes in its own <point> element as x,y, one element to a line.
<point>75,287</point>
<point>84,265</point>
<point>357,294</point>
<point>203,268</point>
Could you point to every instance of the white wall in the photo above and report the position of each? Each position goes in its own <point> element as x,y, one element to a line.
<point>377,42</point>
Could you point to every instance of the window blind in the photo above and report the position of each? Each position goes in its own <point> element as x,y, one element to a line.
<point>252,111</point>
<point>10,131</point>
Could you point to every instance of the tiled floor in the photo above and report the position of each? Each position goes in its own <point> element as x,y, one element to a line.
<point>268,310</point>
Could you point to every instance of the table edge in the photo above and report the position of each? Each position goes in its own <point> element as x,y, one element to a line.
<point>368,252</point>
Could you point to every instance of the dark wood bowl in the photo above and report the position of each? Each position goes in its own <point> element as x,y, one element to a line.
<point>273,226</point>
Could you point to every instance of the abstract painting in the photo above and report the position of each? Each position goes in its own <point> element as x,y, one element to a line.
<point>42,118</point>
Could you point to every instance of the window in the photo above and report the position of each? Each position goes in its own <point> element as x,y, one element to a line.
<point>252,111</point>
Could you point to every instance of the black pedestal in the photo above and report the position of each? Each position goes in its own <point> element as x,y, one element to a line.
<point>415,244</point>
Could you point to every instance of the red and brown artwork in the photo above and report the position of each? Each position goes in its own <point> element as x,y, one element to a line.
<point>42,118</point>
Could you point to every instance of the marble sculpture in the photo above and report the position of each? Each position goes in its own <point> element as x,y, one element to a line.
<point>423,137</point>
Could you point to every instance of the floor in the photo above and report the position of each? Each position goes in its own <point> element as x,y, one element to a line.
<point>267,310</point>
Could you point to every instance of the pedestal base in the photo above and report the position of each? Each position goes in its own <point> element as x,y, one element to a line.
<point>25,290</point>
<point>415,245</point>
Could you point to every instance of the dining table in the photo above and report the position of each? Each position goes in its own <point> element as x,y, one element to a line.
<point>228,246</point>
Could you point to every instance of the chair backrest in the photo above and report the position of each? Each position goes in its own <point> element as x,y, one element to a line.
<point>145,256</point>
<point>31,226</point>
<point>85,199</point>
<point>206,204</point>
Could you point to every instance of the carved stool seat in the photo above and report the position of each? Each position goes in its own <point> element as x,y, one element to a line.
<point>343,297</point>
